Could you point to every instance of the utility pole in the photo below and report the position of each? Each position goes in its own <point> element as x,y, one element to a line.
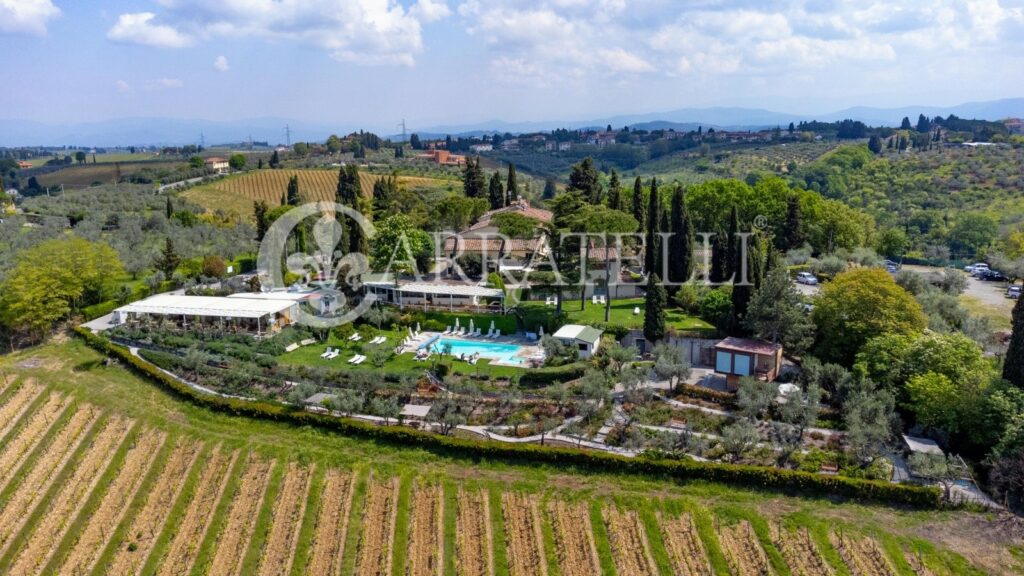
<point>202,140</point>
<point>402,126</point>
<point>288,135</point>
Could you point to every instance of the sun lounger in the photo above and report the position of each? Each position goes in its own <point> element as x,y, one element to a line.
<point>360,360</point>
<point>353,359</point>
<point>377,340</point>
<point>327,352</point>
<point>307,342</point>
<point>593,299</point>
<point>355,337</point>
<point>291,347</point>
<point>497,333</point>
<point>447,331</point>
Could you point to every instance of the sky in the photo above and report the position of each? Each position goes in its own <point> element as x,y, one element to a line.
<point>374,62</point>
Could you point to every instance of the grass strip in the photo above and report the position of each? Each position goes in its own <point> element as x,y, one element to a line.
<point>451,510</point>
<point>355,523</point>
<point>308,529</point>
<point>500,549</point>
<point>400,545</point>
<point>601,542</point>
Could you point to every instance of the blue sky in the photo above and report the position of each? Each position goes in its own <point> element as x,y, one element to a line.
<point>373,62</point>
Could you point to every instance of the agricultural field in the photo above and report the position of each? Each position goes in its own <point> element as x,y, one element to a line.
<point>106,474</point>
<point>84,175</point>
<point>237,193</point>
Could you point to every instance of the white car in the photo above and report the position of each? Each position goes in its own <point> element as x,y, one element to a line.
<point>975,268</point>
<point>807,278</point>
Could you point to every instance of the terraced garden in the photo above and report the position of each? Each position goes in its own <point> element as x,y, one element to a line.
<point>105,474</point>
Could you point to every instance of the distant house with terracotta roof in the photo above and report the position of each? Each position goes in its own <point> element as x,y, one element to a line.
<point>521,207</point>
<point>218,165</point>
<point>443,157</point>
<point>1014,125</point>
<point>23,164</point>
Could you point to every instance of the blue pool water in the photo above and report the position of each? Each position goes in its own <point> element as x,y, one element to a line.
<point>504,353</point>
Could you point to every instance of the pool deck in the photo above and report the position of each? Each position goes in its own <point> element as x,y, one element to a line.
<point>528,349</point>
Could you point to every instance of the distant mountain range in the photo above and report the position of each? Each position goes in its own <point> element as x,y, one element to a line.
<point>177,131</point>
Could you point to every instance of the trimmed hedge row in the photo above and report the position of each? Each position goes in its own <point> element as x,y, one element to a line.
<point>541,377</point>
<point>794,482</point>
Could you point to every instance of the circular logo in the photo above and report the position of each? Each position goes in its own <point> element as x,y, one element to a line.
<point>291,246</point>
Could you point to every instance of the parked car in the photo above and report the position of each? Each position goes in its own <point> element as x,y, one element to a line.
<point>973,269</point>
<point>807,278</point>
<point>992,276</point>
<point>1014,292</point>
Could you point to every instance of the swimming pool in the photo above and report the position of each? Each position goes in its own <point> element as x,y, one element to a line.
<point>494,351</point>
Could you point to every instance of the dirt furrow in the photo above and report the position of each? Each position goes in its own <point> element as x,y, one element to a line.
<point>14,453</point>
<point>685,548</point>
<point>192,528</point>
<point>39,479</point>
<point>743,551</point>
<point>425,533</point>
<point>63,508</point>
<point>245,508</point>
<point>375,545</point>
<point>630,548</point>
<point>523,534</point>
<point>331,525</point>
<point>574,539</point>
<point>146,526</point>
<point>16,407</point>
<point>112,509</point>
<point>863,556</point>
<point>279,550</point>
<point>473,538</point>
<point>800,552</point>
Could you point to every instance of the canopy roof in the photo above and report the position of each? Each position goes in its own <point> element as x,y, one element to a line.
<point>441,289</point>
<point>209,306</point>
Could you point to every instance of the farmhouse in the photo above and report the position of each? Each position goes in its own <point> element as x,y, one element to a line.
<point>218,165</point>
<point>585,339</point>
<point>739,357</point>
<point>443,157</point>
<point>245,315</point>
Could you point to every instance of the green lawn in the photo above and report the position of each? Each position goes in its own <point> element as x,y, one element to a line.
<point>73,368</point>
<point>404,363</point>
<point>622,315</point>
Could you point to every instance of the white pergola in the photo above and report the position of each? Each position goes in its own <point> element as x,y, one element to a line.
<point>177,305</point>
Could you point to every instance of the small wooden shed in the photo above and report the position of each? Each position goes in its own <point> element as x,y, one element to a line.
<point>739,357</point>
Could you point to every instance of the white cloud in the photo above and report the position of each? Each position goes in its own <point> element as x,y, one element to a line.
<point>139,29</point>
<point>164,84</point>
<point>581,39</point>
<point>26,16</point>
<point>221,63</point>
<point>430,10</point>
<point>366,32</point>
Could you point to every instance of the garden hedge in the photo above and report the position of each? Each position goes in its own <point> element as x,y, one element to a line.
<point>756,477</point>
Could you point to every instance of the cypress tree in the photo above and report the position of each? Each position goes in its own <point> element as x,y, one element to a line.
<point>1013,367</point>
<point>259,165</point>
<point>794,236</point>
<point>651,249</point>
<point>655,301</point>
<point>473,180</point>
<point>875,144</point>
<point>513,185</point>
<point>680,249</point>
<point>168,260</point>
<point>275,160</point>
<point>743,291</point>
<point>664,226</point>
<point>169,209</point>
<point>733,240</point>
<point>293,191</point>
<point>549,189</point>
<point>260,208</point>
<point>495,192</point>
<point>614,191</point>
<point>638,204</point>
<point>719,258</point>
